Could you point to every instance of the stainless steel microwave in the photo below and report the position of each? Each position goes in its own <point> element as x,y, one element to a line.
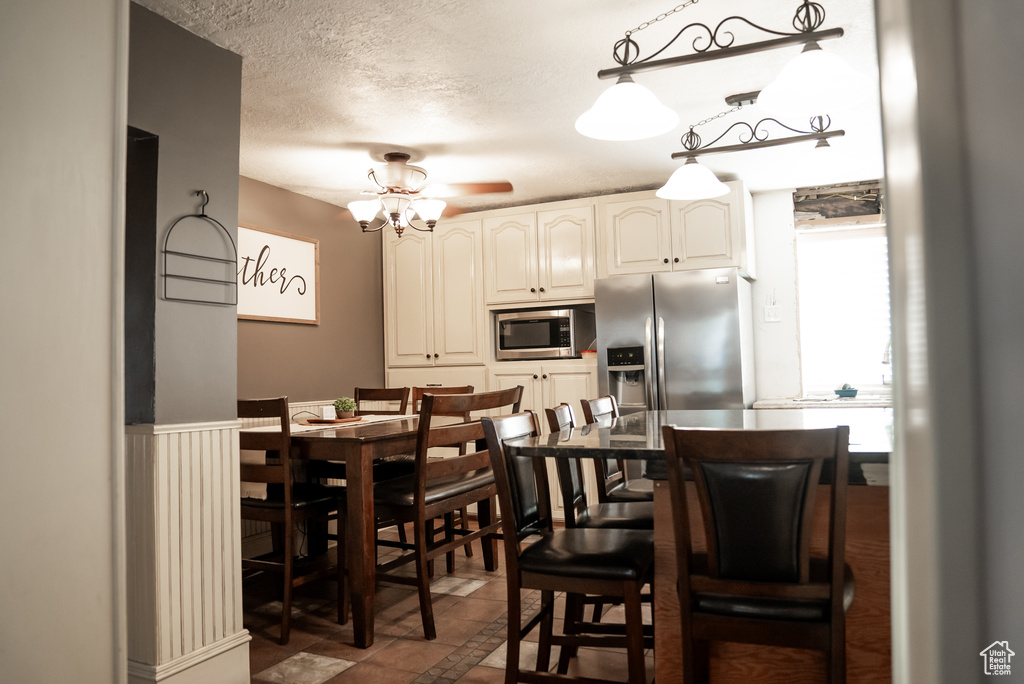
<point>543,333</point>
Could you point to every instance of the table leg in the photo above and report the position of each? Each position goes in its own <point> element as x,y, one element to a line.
<point>361,547</point>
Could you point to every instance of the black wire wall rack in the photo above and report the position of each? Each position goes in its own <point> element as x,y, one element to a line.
<point>227,287</point>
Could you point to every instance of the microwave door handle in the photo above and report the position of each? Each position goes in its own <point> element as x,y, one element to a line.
<point>649,367</point>
<point>662,389</point>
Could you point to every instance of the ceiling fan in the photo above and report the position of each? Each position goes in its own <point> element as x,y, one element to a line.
<point>401,194</point>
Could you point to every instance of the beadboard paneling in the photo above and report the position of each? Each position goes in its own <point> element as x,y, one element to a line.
<point>184,537</point>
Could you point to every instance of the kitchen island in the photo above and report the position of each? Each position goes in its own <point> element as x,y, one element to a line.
<point>638,436</point>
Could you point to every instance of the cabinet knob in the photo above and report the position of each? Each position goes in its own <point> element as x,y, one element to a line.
<point>428,356</point>
<point>533,289</point>
<point>435,356</point>
<point>666,261</point>
<point>676,260</point>
<point>542,289</point>
<point>545,376</point>
<point>534,376</point>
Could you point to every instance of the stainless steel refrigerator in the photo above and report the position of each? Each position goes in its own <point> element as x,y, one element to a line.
<point>680,340</point>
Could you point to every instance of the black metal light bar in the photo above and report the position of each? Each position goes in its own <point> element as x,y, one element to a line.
<point>757,137</point>
<point>721,53</point>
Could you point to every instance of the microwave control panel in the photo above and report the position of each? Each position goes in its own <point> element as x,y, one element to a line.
<point>565,334</point>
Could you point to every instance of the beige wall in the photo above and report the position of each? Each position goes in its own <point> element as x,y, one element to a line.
<point>63,76</point>
<point>314,362</point>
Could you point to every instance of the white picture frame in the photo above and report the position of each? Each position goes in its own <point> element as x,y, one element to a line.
<point>278,276</point>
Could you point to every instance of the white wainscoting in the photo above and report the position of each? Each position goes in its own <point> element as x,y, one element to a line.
<point>184,553</point>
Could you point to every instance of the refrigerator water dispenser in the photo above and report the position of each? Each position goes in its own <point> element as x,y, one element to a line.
<point>626,380</point>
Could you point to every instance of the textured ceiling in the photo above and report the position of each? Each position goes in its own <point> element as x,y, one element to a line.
<point>489,90</point>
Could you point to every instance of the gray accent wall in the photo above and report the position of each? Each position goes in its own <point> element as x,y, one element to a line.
<point>325,361</point>
<point>187,92</point>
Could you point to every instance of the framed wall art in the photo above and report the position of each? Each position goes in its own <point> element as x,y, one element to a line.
<point>278,276</point>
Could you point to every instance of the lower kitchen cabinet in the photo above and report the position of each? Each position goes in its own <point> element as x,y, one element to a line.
<point>547,385</point>
<point>451,376</point>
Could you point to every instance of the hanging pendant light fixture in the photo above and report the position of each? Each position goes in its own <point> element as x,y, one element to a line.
<point>692,181</point>
<point>823,83</point>
<point>400,183</point>
<point>626,111</point>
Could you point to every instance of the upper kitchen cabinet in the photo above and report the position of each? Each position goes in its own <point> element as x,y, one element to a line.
<point>540,256</point>
<point>640,233</point>
<point>434,313</point>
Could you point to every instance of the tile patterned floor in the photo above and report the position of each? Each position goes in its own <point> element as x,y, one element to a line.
<point>470,617</point>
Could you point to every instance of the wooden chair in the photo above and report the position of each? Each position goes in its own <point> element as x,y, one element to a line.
<point>757,582</point>
<point>612,563</point>
<point>288,503</point>
<point>634,515</point>
<point>452,524</point>
<point>613,485</point>
<point>441,486</point>
<point>381,394</point>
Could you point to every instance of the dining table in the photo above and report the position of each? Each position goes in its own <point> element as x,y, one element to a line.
<point>358,445</point>
<point>638,437</point>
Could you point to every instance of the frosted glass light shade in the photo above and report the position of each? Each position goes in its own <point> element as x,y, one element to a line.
<point>691,181</point>
<point>429,209</point>
<point>398,175</point>
<point>395,203</point>
<point>364,210</point>
<point>814,83</point>
<point>626,111</point>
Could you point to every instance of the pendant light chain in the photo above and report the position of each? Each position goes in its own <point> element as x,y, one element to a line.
<point>691,141</point>
<point>663,15</point>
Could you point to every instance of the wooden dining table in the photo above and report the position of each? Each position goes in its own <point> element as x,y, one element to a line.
<point>359,445</point>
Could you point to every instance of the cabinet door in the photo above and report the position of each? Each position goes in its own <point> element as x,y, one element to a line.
<point>510,374</point>
<point>510,259</point>
<point>460,330</point>
<point>408,299</point>
<point>567,384</point>
<point>565,239</point>
<point>710,233</point>
<point>635,236</point>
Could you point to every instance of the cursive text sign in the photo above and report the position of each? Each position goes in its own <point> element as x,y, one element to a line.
<point>278,276</point>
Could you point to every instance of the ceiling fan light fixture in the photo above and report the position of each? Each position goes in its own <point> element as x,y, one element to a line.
<point>626,111</point>
<point>364,211</point>
<point>691,181</point>
<point>395,205</point>
<point>429,210</point>
<point>398,174</point>
<point>814,82</point>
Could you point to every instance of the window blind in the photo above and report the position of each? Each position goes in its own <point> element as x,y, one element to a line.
<point>843,308</point>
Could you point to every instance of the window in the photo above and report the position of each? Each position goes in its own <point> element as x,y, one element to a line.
<point>843,290</point>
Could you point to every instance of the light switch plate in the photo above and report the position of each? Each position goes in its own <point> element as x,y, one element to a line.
<point>772,314</point>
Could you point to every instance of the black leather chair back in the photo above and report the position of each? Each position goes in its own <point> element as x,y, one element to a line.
<point>522,488</point>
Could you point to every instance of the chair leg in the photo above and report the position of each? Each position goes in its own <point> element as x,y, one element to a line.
<point>465,526</point>
<point>449,536</point>
<point>423,580</point>
<point>514,636</point>
<point>836,656</point>
<point>547,606</point>
<point>573,615</point>
<point>598,611</point>
<point>635,635</point>
<point>286,596</point>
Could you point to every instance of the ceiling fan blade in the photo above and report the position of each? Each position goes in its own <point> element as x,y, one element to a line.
<point>462,189</point>
<point>450,211</point>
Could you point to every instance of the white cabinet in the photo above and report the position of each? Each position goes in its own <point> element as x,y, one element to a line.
<point>434,313</point>
<point>639,233</point>
<point>547,385</point>
<point>453,376</point>
<point>540,256</point>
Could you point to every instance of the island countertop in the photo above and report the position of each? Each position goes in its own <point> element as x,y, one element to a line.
<point>637,436</point>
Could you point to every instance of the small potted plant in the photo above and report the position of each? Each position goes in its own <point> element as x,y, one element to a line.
<point>345,407</point>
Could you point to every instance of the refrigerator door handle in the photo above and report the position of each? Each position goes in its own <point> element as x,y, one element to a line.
<point>662,390</point>
<point>648,367</point>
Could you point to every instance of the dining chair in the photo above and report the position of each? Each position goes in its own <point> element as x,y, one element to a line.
<point>442,486</point>
<point>637,515</point>
<point>755,580</point>
<point>612,563</point>
<point>378,395</point>
<point>288,503</point>
<point>613,484</point>
<point>452,524</point>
